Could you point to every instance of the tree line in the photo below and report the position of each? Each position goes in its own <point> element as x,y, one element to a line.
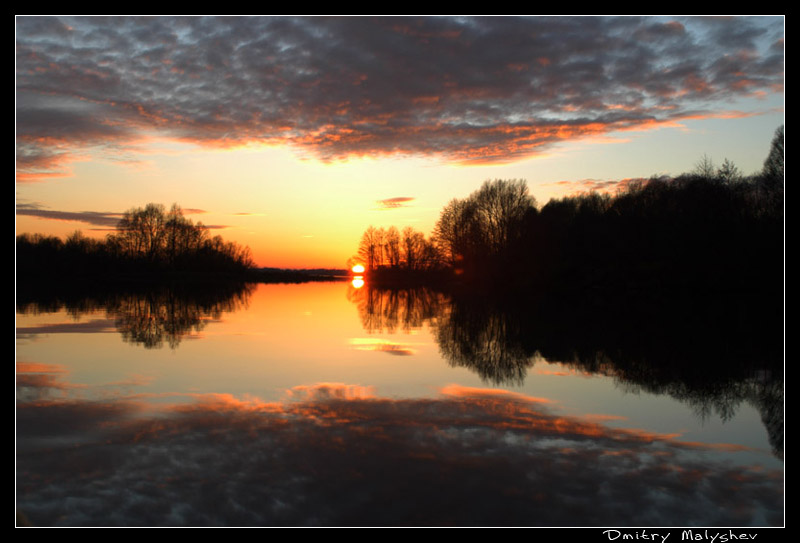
<point>709,228</point>
<point>148,241</point>
<point>383,248</point>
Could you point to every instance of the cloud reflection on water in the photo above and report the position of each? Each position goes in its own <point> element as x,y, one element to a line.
<point>337,454</point>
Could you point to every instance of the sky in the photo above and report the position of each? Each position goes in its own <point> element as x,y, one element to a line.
<point>292,135</point>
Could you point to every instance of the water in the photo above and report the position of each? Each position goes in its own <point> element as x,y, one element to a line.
<point>320,404</point>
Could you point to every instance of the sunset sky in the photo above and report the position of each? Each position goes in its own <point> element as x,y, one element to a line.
<point>292,135</point>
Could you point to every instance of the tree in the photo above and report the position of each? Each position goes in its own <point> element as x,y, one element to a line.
<point>391,246</point>
<point>484,225</point>
<point>430,257</point>
<point>141,232</point>
<point>182,237</point>
<point>152,235</point>
<point>413,245</point>
<point>500,206</point>
<point>78,243</point>
<point>448,232</point>
<point>370,250</point>
<point>728,172</point>
<point>705,167</point>
<point>773,165</point>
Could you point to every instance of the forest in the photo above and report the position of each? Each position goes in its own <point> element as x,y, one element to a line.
<point>710,229</point>
<point>148,242</point>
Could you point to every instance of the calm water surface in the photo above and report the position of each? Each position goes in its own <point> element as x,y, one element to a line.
<point>320,404</point>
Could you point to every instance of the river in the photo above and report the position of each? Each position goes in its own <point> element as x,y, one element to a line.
<point>322,404</point>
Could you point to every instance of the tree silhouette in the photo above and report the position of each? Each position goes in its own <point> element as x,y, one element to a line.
<point>413,246</point>
<point>148,242</point>
<point>773,165</point>
<point>156,235</point>
<point>709,229</point>
<point>450,233</point>
<point>500,206</point>
<point>705,167</point>
<point>480,232</point>
<point>370,250</point>
<point>728,172</point>
<point>391,246</point>
<point>141,232</point>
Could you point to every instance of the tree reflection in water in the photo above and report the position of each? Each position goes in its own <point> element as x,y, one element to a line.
<point>151,317</point>
<point>167,315</point>
<point>711,354</point>
<point>390,310</point>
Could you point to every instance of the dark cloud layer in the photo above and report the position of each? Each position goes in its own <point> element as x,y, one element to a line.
<point>95,218</point>
<point>464,89</point>
<point>338,455</point>
<point>102,220</point>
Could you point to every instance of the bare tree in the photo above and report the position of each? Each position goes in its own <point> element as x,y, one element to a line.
<point>413,243</point>
<point>705,167</point>
<point>451,232</point>
<point>501,205</point>
<point>370,250</point>
<point>391,246</point>
<point>141,232</point>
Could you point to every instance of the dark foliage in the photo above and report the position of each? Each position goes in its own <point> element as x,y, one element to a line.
<point>691,232</point>
<point>149,244</point>
<point>773,172</point>
<point>713,352</point>
<point>711,230</point>
<point>150,315</point>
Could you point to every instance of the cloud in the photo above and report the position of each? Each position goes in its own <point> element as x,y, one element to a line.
<point>330,391</point>
<point>96,218</point>
<point>104,219</point>
<point>394,203</point>
<point>338,454</point>
<point>463,89</point>
<point>38,367</point>
<point>609,186</point>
